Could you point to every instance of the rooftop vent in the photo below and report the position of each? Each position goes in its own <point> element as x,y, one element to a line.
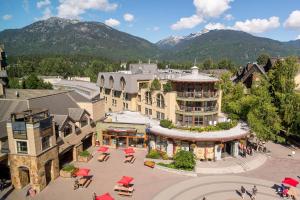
<point>195,70</point>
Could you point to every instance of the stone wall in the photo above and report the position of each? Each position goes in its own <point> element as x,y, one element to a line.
<point>36,167</point>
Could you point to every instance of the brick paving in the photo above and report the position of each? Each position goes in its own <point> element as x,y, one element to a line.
<point>151,182</point>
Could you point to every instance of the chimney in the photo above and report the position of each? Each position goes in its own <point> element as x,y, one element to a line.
<point>195,70</point>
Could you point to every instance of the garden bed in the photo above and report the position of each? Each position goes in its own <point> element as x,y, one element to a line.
<point>67,171</point>
<point>84,156</point>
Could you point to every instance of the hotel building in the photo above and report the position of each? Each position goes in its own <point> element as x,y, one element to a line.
<point>187,98</point>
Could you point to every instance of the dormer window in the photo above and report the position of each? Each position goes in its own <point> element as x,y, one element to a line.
<point>111,82</point>
<point>67,130</point>
<point>83,121</point>
<point>102,81</point>
<point>122,83</point>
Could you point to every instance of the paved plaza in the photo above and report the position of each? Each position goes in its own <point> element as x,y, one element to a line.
<point>160,185</point>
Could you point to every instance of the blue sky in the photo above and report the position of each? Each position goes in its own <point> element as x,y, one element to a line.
<point>158,19</point>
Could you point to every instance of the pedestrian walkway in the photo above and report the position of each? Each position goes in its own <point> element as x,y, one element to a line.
<point>231,165</point>
<point>218,188</point>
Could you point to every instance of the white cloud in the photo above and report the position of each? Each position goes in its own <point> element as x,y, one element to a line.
<point>214,26</point>
<point>74,8</point>
<point>298,37</point>
<point>187,22</point>
<point>128,17</point>
<point>293,20</point>
<point>6,17</point>
<point>205,9</point>
<point>43,3</point>
<point>229,17</point>
<point>47,13</point>
<point>156,28</point>
<point>257,25</point>
<point>25,5</point>
<point>112,22</point>
<point>211,8</point>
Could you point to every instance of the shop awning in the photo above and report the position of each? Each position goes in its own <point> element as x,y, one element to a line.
<point>105,196</point>
<point>121,129</point>
<point>125,180</point>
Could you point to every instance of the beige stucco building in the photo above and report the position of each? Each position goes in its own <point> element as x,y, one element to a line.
<point>147,95</point>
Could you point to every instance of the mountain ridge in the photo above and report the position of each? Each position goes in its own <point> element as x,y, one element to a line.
<point>67,37</point>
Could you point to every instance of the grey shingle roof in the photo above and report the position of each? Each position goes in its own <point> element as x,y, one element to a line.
<point>9,106</point>
<point>60,119</point>
<point>3,132</point>
<point>78,97</point>
<point>76,113</point>
<point>30,93</point>
<point>57,104</point>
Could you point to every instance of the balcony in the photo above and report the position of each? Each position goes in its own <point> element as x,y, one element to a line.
<point>196,96</point>
<point>186,110</point>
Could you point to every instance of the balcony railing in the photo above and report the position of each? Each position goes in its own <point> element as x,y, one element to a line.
<point>197,94</point>
<point>198,109</point>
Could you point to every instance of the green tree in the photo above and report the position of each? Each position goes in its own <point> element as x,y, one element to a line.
<point>167,87</point>
<point>33,82</point>
<point>282,82</point>
<point>14,83</point>
<point>208,64</point>
<point>263,59</point>
<point>155,85</point>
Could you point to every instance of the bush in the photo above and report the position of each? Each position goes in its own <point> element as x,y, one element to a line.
<point>155,85</point>
<point>225,125</point>
<point>164,156</point>
<point>153,154</point>
<point>172,166</point>
<point>167,87</point>
<point>184,160</point>
<point>69,168</point>
<point>84,153</point>
<point>166,123</point>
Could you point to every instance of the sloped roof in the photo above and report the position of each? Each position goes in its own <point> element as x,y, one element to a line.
<point>3,132</point>
<point>199,77</point>
<point>78,97</point>
<point>7,107</point>
<point>76,113</point>
<point>30,93</point>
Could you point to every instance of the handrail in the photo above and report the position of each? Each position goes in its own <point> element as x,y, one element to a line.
<point>197,94</point>
<point>198,109</point>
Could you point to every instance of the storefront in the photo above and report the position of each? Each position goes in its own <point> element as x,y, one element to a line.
<point>122,137</point>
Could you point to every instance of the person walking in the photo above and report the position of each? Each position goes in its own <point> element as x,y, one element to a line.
<point>243,192</point>
<point>254,192</point>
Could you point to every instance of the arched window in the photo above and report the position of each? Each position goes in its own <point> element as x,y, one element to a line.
<point>111,82</point>
<point>122,83</point>
<point>160,101</point>
<point>102,81</point>
<point>148,97</point>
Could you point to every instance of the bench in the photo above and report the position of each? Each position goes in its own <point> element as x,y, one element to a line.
<point>150,164</point>
<point>102,157</point>
<point>125,193</point>
<point>128,159</point>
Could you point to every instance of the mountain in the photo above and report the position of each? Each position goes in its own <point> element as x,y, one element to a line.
<point>72,37</point>
<point>63,36</point>
<point>238,46</point>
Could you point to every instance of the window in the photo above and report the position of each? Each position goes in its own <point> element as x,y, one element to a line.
<point>45,142</point>
<point>148,98</point>
<point>146,111</point>
<point>150,111</point>
<point>22,147</point>
<point>105,99</point>
<point>111,82</point>
<point>188,120</point>
<point>198,120</point>
<point>114,103</point>
<point>122,83</point>
<point>139,108</point>
<point>67,130</point>
<point>160,115</point>
<point>83,121</point>
<point>19,130</point>
<point>139,98</point>
<point>160,101</point>
<point>102,81</point>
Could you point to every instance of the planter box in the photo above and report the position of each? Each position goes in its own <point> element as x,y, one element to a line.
<point>84,159</point>
<point>65,174</point>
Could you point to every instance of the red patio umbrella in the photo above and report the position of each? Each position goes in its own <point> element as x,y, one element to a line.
<point>105,196</point>
<point>103,149</point>
<point>125,180</point>
<point>129,151</point>
<point>82,172</point>
<point>290,181</point>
